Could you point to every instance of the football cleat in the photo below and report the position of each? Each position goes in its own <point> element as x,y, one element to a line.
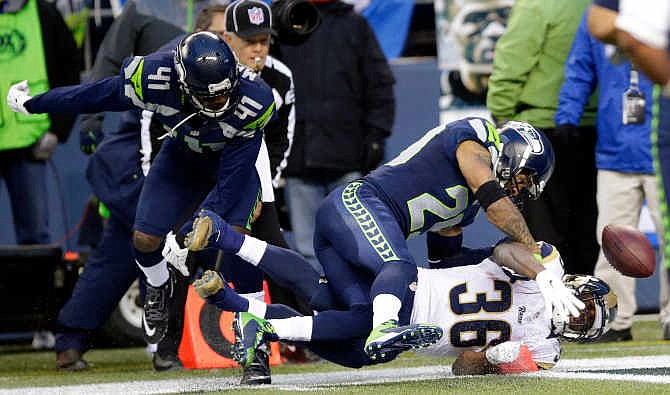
<point>250,333</point>
<point>258,371</point>
<point>389,339</point>
<point>156,313</point>
<point>199,237</point>
<point>210,230</point>
<point>209,284</point>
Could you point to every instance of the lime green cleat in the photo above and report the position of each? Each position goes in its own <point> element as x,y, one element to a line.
<point>250,333</point>
<point>209,284</point>
<point>388,339</point>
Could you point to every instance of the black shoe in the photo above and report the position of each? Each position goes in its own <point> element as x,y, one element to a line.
<point>70,360</point>
<point>614,335</point>
<point>258,372</point>
<point>166,363</point>
<point>156,310</point>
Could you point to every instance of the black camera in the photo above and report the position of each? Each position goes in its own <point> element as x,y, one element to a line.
<point>294,20</point>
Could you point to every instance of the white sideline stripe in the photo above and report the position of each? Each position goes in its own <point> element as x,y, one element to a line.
<point>565,369</point>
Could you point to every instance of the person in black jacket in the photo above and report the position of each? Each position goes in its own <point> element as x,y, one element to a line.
<point>345,108</point>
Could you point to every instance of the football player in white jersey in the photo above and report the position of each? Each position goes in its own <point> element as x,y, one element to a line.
<point>493,317</point>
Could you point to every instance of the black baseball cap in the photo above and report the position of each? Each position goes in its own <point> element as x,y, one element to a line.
<point>248,18</point>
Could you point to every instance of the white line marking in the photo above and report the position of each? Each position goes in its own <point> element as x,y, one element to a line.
<point>565,369</point>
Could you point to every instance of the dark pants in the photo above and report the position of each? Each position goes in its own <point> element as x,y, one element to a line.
<point>108,273</point>
<point>27,187</point>
<point>566,214</point>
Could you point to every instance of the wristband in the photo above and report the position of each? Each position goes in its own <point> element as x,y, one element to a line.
<point>489,193</point>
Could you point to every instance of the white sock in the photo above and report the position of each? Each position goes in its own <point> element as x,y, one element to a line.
<point>256,305</point>
<point>157,274</point>
<point>294,328</point>
<point>385,307</point>
<point>252,250</point>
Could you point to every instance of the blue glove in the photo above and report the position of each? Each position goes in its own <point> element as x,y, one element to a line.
<point>90,140</point>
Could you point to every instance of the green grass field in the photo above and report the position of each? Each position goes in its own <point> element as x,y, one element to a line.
<point>22,369</point>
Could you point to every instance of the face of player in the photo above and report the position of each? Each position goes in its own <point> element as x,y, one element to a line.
<point>586,319</point>
<point>216,103</point>
<point>518,184</point>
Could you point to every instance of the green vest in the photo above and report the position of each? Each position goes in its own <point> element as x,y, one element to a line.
<point>21,57</point>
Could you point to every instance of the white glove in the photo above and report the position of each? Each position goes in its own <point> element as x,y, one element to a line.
<point>19,94</point>
<point>557,297</point>
<point>175,255</point>
<point>504,352</point>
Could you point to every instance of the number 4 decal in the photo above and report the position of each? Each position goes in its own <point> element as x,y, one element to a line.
<point>162,74</point>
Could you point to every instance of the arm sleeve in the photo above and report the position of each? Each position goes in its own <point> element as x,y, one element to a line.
<point>379,99</point>
<point>62,61</point>
<point>516,54</point>
<point>580,78</point>
<point>104,95</point>
<point>646,20</point>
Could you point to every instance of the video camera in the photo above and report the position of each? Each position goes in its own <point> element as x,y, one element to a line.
<point>294,20</point>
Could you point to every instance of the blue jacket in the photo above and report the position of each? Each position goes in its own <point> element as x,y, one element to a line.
<point>624,148</point>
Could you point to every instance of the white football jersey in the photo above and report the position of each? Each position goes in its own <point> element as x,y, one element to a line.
<point>477,304</point>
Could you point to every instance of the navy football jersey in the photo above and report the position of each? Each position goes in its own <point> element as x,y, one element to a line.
<point>151,83</point>
<point>424,185</point>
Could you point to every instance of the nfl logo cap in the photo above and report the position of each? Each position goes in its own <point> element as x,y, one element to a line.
<point>248,18</point>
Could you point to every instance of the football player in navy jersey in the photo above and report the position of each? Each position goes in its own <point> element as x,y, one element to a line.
<point>214,112</point>
<point>437,184</point>
<point>494,317</point>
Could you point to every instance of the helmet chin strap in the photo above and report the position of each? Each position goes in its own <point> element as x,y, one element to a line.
<point>173,131</point>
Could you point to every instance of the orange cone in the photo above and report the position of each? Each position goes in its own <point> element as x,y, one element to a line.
<point>208,338</point>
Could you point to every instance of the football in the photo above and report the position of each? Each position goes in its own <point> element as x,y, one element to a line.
<point>628,250</point>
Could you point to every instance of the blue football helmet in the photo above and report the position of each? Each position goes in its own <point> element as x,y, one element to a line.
<point>208,73</point>
<point>525,161</point>
<point>600,309</point>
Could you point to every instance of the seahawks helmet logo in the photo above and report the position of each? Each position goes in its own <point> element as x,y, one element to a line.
<point>528,133</point>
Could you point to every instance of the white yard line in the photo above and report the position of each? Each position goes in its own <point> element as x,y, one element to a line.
<point>566,369</point>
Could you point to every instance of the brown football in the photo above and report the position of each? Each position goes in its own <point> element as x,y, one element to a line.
<point>628,250</point>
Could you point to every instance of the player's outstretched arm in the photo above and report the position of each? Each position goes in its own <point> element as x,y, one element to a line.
<point>563,302</point>
<point>475,164</point>
<point>104,95</point>
<point>509,357</point>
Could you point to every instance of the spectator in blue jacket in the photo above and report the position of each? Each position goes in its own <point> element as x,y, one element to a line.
<point>625,175</point>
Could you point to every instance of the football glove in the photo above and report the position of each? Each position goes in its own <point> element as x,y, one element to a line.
<point>17,96</point>
<point>175,255</point>
<point>558,299</point>
<point>89,141</point>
